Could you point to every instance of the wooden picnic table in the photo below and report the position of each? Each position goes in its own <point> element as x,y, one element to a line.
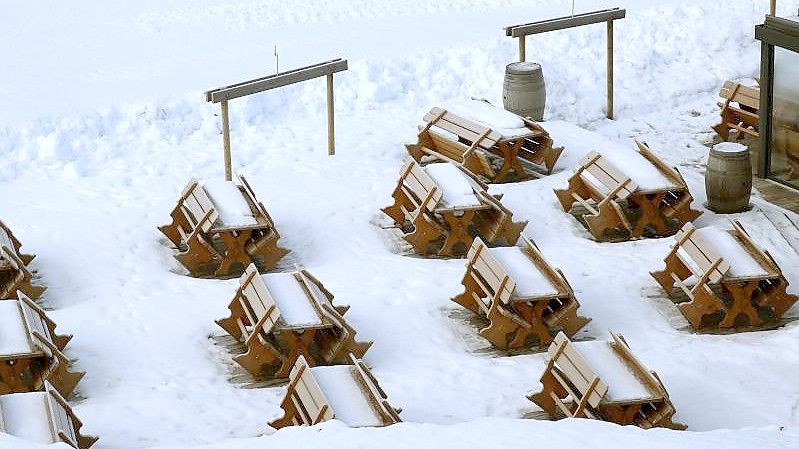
<point>602,380</point>
<point>283,316</point>
<point>734,283</point>
<point>442,207</point>
<point>31,351</point>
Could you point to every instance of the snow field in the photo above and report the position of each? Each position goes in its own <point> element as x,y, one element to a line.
<point>84,189</point>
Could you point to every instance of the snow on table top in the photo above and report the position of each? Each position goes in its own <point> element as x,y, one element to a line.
<point>295,307</point>
<point>622,383</point>
<point>741,262</point>
<point>530,281</point>
<point>498,119</point>
<point>456,190</point>
<point>230,204</point>
<point>637,167</point>
<point>25,415</point>
<point>345,395</point>
<point>13,334</point>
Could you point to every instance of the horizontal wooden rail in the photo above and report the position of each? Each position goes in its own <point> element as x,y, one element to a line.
<point>274,81</point>
<point>562,23</point>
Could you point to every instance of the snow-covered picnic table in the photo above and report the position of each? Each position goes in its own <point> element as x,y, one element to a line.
<point>476,134</point>
<point>750,289</point>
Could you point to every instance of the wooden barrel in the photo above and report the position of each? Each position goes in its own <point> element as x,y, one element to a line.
<point>728,180</point>
<point>524,92</point>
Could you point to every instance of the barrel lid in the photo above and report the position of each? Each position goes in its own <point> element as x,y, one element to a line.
<point>730,147</point>
<point>523,68</point>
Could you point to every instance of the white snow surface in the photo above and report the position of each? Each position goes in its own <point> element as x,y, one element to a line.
<point>26,415</point>
<point>14,338</point>
<point>104,119</point>
<point>294,305</point>
<point>506,123</point>
<point>231,206</point>
<point>345,395</point>
<point>530,281</point>
<point>623,385</point>
<point>727,247</point>
<point>730,147</point>
<point>456,189</point>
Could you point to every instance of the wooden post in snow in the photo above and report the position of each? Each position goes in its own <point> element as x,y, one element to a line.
<point>773,7</point>
<point>226,141</point>
<point>331,139</point>
<point>522,48</point>
<point>610,70</point>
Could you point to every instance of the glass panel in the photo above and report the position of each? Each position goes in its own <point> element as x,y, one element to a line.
<point>785,123</point>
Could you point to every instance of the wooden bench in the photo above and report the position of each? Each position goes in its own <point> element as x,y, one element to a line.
<point>42,417</point>
<point>220,227</point>
<point>520,294</point>
<point>739,111</point>
<point>619,207</point>
<point>30,350</point>
<point>453,138</point>
<point>732,279</point>
<point>440,207</point>
<point>283,316</point>
<point>602,380</point>
<point>14,273</point>
<point>348,393</point>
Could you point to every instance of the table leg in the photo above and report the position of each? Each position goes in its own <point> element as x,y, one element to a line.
<point>235,251</point>
<point>534,315</point>
<point>741,303</point>
<point>458,231</point>
<point>650,213</point>
<point>510,160</point>
<point>299,343</point>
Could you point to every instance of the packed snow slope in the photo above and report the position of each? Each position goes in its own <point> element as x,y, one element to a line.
<point>103,123</point>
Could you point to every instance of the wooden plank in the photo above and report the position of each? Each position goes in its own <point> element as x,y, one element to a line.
<point>562,23</point>
<point>463,128</point>
<point>274,81</point>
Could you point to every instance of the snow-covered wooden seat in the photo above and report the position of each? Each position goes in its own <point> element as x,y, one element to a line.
<point>283,316</point>
<point>31,351</point>
<point>739,110</point>
<point>348,393</point>
<point>467,133</point>
<point>14,273</point>
<point>42,417</point>
<point>441,207</point>
<point>628,194</point>
<point>220,228</point>
<point>520,294</point>
<point>602,380</point>
<point>726,278</point>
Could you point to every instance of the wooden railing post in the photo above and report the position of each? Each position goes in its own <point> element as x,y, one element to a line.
<point>331,139</point>
<point>522,48</point>
<point>773,7</point>
<point>226,140</point>
<point>610,69</point>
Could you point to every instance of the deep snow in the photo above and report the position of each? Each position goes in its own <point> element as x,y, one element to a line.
<point>104,123</point>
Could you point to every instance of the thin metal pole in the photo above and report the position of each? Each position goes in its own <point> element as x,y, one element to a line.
<point>610,69</point>
<point>522,49</point>
<point>226,140</point>
<point>331,139</point>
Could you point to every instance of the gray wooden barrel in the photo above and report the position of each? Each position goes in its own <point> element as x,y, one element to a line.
<point>524,92</point>
<point>728,180</point>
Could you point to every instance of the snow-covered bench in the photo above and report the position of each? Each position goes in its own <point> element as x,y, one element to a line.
<point>31,351</point>
<point>470,132</point>
<point>628,194</point>
<point>220,228</point>
<point>520,294</point>
<point>725,276</point>
<point>14,273</point>
<point>348,393</point>
<point>739,110</point>
<point>294,311</point>
<point>602,380</point>
<point>441,202</point>
<point>42,417</point>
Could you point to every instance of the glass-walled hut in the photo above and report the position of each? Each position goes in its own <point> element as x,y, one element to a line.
<point>779,99</point>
